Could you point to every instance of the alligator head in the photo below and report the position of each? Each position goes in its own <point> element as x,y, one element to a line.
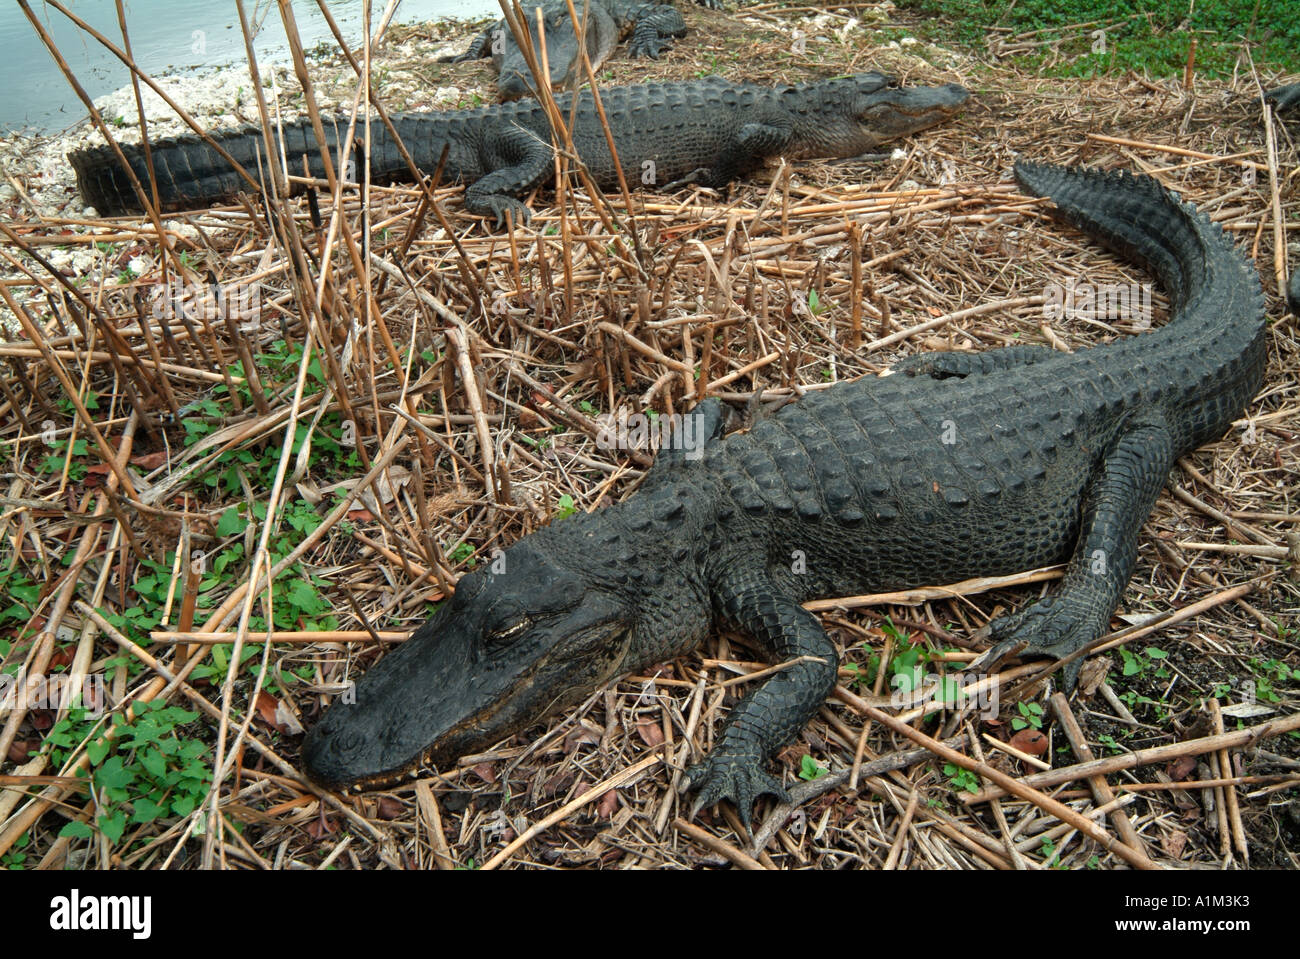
<point>563,64</point>
<point>522,637</point>
<point>851,115</point>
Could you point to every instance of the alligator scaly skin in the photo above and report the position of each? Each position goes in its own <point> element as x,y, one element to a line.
<point>648,27</point>
<point>958,466</point>
<point>710,131</point>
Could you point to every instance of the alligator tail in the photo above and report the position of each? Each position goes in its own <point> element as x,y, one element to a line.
<point>191,173</point>
<point>1213,288</point>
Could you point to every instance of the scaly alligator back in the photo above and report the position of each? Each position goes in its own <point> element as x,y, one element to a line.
<point>960,465</point>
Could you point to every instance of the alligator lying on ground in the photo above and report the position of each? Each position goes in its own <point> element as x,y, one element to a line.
<point>648,24</point>
<point>707,131</point>
<point>968,465</point>
<point>1285,99</point>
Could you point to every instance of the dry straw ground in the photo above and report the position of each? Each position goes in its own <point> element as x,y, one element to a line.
<point>472,363</point>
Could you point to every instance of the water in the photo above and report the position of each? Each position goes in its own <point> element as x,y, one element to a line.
<point>166,36</point>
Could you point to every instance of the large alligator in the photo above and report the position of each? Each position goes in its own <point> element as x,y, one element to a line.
<point>968,464</point>
<point>649,25</point>
<point>708,131</point>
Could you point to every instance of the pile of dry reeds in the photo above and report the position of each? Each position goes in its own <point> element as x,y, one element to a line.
<point>465,368</point>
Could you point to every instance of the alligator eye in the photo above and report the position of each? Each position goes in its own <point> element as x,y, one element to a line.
<point>508,634</point>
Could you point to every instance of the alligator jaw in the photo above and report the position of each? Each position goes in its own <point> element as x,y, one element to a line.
<point>503,654</point>
<point>898,111</point>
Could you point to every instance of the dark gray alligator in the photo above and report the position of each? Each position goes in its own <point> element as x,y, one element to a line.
<point>708,131</point>
<point>1286,101</point>
<point>962,465</point>
<point>649,25</point>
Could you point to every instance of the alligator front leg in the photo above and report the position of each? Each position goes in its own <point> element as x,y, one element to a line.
<point>480,47</point>
<point>520,161</point>
<point>1116,504</point>
<point>656,23</point>
<point>774,713</point>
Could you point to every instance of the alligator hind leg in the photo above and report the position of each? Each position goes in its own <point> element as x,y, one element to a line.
<point>1116,504</point>
<point>774,713</point>
<point>754,143</point>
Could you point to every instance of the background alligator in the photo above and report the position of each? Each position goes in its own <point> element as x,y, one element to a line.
<point>1286,100</point>
<point>965,465</point>
<point>649,25</point>
<point>708,131</point>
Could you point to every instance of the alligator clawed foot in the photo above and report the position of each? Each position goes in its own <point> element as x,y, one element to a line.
<point>698,175</point>
<point>1046,629</point>
<point>650,48</point>
<point>739,777</point>
<point>502,205</point>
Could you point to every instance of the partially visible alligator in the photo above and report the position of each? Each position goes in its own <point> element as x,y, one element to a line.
<point>964,465</point>
<point>708,131</point>
<point>649,24</point>
<point>1286,101</point>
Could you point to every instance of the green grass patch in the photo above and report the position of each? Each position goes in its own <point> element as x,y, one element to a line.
<point>1153,37</point>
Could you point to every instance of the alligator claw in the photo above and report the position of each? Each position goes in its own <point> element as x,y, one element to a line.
<point>739,777</point>
<point>501,205</point>
<point>650,48</point>
<point>1046,629</point>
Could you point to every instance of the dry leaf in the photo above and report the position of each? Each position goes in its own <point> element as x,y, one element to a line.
<point>651,733</point>
<point>1173,843</point>
<point>267,705</point>
<point>1031,742</point>
<point>286,721</point>
<point>1181,769</point>
<point>582,736</point>
<point>150,461</point>
<point>608,804</point>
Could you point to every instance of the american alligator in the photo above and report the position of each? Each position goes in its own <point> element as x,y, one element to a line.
<point>964,465</point>
<point>649,24</point>
<point>1286,101</point>
<point>708,131</point>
